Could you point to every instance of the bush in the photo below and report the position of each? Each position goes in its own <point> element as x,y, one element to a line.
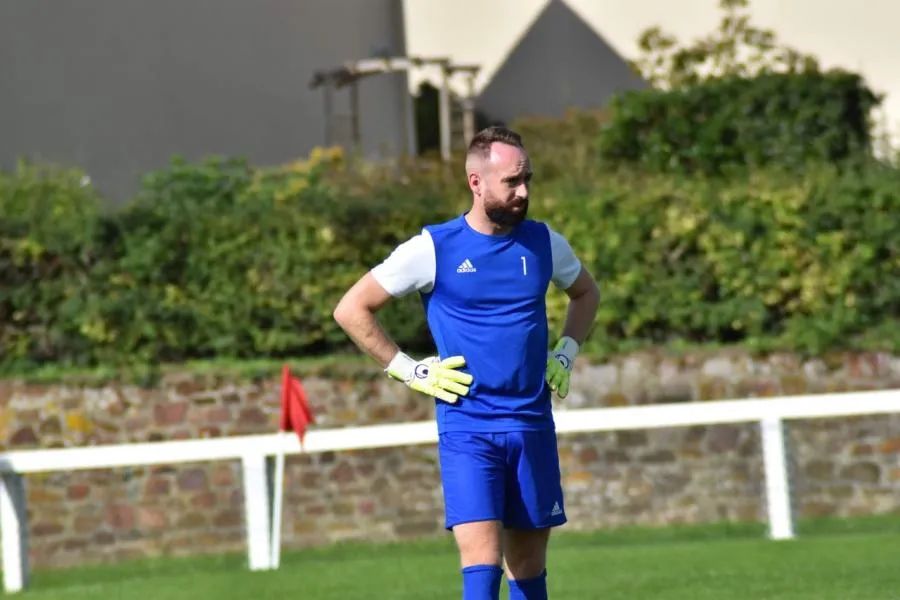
<point>50,236</point>
<point>217,259</point>
<point>766,260</point>
<point>784,119</point>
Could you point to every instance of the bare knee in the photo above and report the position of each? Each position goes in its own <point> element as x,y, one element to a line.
<point>525,553</point>
<point>479,543</point>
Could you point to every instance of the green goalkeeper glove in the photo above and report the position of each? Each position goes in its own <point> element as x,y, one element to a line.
<point>559,365</point>
<point>432,376</point>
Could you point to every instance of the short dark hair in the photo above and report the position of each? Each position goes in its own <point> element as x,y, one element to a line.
<point>480,145</point>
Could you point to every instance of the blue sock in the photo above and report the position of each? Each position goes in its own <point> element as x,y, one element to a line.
<point>482,582</point>
<point>529,589</point>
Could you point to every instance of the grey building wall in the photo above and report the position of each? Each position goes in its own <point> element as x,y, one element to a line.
<point>559,63</point>
<point>117,87</point>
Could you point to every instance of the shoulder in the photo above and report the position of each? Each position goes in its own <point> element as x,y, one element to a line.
<point>438,230</point>
<point>417,247</point>
<point>409,267</point>
<point>566,265</point>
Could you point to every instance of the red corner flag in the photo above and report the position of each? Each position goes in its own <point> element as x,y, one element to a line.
<point>295,412</point>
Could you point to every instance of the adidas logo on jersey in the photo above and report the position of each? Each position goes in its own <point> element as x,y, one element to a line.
<point>556,510</point>
<point>466,267</point>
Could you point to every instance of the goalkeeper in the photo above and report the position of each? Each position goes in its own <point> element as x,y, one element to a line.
<point>483,278</point>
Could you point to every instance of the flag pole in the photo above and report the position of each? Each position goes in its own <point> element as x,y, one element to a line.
<point>278,504</point>
<point>295,417</point>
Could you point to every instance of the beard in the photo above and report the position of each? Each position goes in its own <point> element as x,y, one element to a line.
<point>506,215</point>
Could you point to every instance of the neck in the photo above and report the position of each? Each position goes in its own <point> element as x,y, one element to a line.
<point>479,221</point>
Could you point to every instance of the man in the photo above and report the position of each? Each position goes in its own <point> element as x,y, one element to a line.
<point>483,279</point>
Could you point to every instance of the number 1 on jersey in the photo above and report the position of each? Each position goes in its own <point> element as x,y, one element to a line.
<point>524,267</point>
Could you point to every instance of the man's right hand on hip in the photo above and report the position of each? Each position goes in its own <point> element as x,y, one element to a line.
<point>432,376</point>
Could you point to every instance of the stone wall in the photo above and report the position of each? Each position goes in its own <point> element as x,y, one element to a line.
<point>679,475</point>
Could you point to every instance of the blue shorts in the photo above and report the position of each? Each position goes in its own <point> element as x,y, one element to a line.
<point>511,477</point>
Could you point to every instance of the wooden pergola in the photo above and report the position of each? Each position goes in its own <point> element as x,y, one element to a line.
<point>349,75</point>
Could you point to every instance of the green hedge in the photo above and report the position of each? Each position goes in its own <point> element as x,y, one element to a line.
<point>766,260</point>
<point>216,259</point>
<point>783,119</point>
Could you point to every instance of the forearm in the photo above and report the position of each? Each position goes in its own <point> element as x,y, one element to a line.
<point>363,328</point>
<point>580,316</point>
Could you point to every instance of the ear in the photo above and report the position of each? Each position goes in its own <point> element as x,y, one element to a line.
<point>475,183</point>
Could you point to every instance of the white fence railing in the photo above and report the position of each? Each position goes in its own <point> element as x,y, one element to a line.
<point>257,452</point>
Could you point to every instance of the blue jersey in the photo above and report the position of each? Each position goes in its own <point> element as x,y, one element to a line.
<point>484,298</point>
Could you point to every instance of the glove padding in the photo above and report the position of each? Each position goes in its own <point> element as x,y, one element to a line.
<point>432,376</point>
<point>559,365</point>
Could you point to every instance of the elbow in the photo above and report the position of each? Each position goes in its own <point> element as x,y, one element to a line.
<point>595,293</point>
<point>341,313</point>
<point>589,294</point>
<point>589,299</point>
<point>348,312</point>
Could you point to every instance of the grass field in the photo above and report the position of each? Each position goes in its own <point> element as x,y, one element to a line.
<point>841,560</point>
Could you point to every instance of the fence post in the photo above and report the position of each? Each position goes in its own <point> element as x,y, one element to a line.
<point>14,532</point>
<point>779,493</point>
<point>256,510</point>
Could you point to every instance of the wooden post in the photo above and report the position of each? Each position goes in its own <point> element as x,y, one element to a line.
<point>445,112</point>
<point>469,114</point>
<point>354,115</point>
<point>329,115</point>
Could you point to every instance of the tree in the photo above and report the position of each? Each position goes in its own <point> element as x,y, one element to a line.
<point>735,48</point>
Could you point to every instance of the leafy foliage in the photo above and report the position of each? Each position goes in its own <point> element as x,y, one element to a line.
<point>736,98</point>
<point>50,236</point>
<point>217,259</point>
<point>765,260</point>
<point>736,203</point>
<point>737,48</point>
<point>734,122</point>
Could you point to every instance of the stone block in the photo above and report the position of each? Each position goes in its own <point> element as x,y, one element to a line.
<point>46,528</point>
<point>756,388</point>
<point>120,517</point>
<point>50,426</point>
<point>24,437</point>
<point>38,495</point>
<point>157,485</point>
<point>229,518</point>
<point>658,457</point>
<point>863,472</point>
<point>104,538</point>
<point>74,545</point>
<point>630,439</point>
<point>79,423</point>
<point>890,446</point>
<point>416,529</point>
<point>674,392</point>
<point>78,491</point>
<point>171,413</point>
<point>818,508</point>
<point>152,518</point>
<point>204,500</point>
<point>588,455</point>
<point>222,476</point>
<point>192,520</point>
<point>719,368</point>
<point>578,479</point>
<point>616,456</point>
<point>616,399</point>
<point>794,385</point>
<point>343,472</point>
<point>723,438</point>
<point>709,389</point>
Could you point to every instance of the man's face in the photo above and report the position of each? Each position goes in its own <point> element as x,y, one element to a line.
<point>505,185</point>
